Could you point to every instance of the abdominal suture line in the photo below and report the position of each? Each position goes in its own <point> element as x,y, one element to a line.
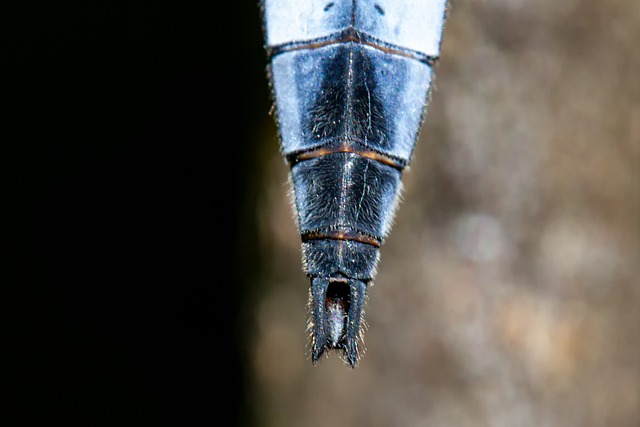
<point>369,154</point>
<point>353,35</point>
<point>341,234</point>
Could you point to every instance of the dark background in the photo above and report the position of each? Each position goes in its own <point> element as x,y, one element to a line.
<point>126,223</point>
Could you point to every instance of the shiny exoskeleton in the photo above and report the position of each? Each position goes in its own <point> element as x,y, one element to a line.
<point>351,80</point>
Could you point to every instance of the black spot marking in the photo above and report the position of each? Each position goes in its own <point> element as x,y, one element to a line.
<point>379,9</point>
<point>328,6</point>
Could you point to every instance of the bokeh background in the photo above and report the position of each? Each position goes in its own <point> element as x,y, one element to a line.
<point>508,292</point>
<point>150,269</point>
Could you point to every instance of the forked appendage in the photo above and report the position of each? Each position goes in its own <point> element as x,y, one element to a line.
<point>337,310</point>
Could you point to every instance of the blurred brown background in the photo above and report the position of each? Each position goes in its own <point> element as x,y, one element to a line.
<point>507,292</point>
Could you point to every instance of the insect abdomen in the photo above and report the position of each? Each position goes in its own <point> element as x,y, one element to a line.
<point>349,106</point>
